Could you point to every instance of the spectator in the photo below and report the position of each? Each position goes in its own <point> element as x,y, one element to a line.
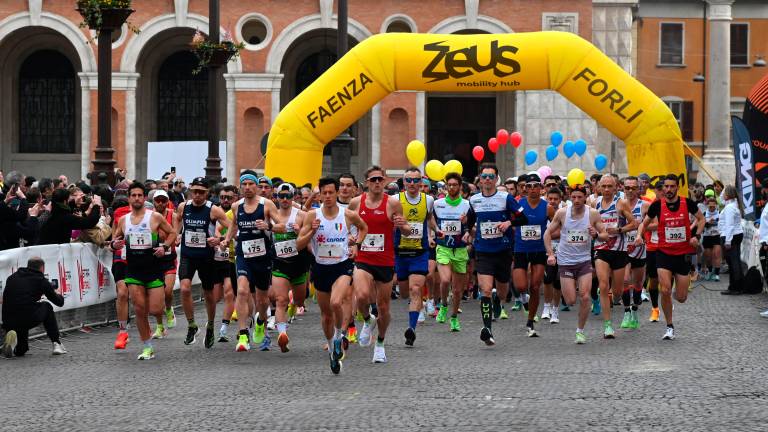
<point>64,181</point>
<point>23,310</point>
<point>62,221</point>
<point>150,184</point>
<point>732,234</point>
<point>162,184</point>
<point>14,178</point>
<point>45,186</point>
<point>13,211</point>
<point>2,179</point>
<point>177,195</point>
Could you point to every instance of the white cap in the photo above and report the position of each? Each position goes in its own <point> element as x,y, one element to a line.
<point>160,193</point>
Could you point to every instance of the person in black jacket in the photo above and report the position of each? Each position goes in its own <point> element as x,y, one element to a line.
<point>23,310</point>
<point>13,210</point>
<point>58,228</point>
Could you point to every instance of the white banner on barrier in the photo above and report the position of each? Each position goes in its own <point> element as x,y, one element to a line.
<point>750,246</point>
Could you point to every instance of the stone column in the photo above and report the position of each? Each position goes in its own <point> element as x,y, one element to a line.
<point>718,154</point>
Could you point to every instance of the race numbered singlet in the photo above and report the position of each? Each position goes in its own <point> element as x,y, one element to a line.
<point>285,243</point>
<point>196,228</point>
<point>377,248</point>
<point>490,212</point>
<point>140,242</point>
<point>416,241</point>
<point>712,230</point>
<point>330,243</point>
<point>631,236</point>
<point>120,254</point>
<point>675,229</point>
<point>448,219</point>
<point>530,237</point>
<point>575,242</point>
<point>252,243</point>
<point>610,218</point>
<point>229,254</point>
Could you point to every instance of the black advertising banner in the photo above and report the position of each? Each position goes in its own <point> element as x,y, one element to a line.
<point>756,120</point>
<point>745,175</point>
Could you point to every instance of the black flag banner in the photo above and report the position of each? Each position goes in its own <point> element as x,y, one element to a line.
<point>756,121</point>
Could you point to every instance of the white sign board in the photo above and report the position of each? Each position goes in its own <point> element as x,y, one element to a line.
<point>187,156</point>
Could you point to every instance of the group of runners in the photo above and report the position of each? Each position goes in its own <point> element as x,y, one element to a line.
<point>258,248</point>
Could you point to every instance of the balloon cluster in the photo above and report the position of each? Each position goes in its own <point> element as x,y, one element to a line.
<point>435,170</point>
<point>501,139</point>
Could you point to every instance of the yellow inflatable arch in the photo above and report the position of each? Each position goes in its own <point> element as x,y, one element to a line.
<point>559,61</point>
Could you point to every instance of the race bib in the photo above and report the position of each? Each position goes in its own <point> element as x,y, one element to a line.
<point>254,248</point>
<point>221,255</point>
<point>674,234</point>
<point>630,236</point>
<point>373,243</point>
<point>530,232</point>
<point>578,237</point>
<point>450,227</point>
<point>654,237</point>
<point>555,245</point>
<point>123,253</point>
<point>416,231</point>
<point>330,250</point>
<point>286,249</point>
<point>490,230</point>
<point>140,241</point>
<point>195,239</point>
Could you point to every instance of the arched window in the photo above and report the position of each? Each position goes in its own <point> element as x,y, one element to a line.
<point>182,108</point>
<point>312,67</point>
<point>47,104</point>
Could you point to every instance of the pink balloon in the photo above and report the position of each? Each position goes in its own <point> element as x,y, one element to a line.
<point>544,172</point>
<point>516,139</point>
<point>493,145</point>
<point>502,136</point>
<point>478,153</point>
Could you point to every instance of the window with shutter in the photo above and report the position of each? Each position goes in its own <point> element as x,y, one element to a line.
<point>687,121</point>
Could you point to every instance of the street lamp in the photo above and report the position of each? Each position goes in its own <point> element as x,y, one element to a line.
<point>699,77</point>
<point>760,62</point>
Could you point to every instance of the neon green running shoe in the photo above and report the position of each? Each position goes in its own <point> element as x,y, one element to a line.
<point>442,314</point>
<point>503,314</point>
<point>635,321</point>
<point>159,332</point>
<point>608,332</point>
<point>147,354</point>
<point>517,306</point>
<point>242,344</point>
<point>580,338</point>
<point>455,326</point>
<point>170,318</point>
<point>358,316</point>
<point>258,333</point>
<point>291,312</point>
<point>626,322</point>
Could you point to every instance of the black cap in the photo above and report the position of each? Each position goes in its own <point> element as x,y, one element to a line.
<point>200,181</point>
<point>532,178</point>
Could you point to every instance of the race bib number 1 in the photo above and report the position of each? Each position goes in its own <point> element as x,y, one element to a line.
<point>330,250</point>
<point>490,230</point>
<point>373,243</point>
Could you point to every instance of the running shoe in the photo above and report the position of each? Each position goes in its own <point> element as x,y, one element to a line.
<point>410,336</point>
<point>209,337</point>
<point>191,333</point>
<point>338,349</point>
<point>223,337</point>
<point>503,313</point>
<point>530,332</point>
<point>764,314</point>
<point>431,308</point>
<point>580,338</point>
<point>159,333</point>
<point>122,340</point>
<point>364,337</point>
<point>669,334</point>
<point>291,312</point>
<point>282,340</point>
<point>266,343</point>
<point>455,326</point>
<point>596,309</point>
<point>271,323</point>
<point>626,322</point>
<point>234,316</point>
<point>442,314</point>
<point>644,296</point>
<point>242,343</point>
<point>335,364</point>
<point>170,318</point>
<point>422,317</point>
<point>716,278</point>
<point>518,305</point>
<point>258,333</point>
<point>564,307</point>
<point>654,315</point>
<point>487,337</point>
<point>148,353</point>
<point>555,317</point>
<point>379,354</point>
<point>545,313</point>
<point>352,334</point>
<point>608,332</point>
<point>9,343</point>
<point>300,310</point>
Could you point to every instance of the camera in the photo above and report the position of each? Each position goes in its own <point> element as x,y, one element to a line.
<point>55,283</point>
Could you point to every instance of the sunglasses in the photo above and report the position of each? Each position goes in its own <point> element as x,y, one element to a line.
<point>533,185</point>
<point>551,185</point>
<point>487,176</point>
<point>412,180</point>
<point>226,197</point>
<point>630,188</point>
<point>285,196</point>
<point>378,179</point>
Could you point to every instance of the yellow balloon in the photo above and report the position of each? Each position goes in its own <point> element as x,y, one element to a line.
<point>435,170</point>
<point>576,177</point>
<point>416,152</point>
<point>454,166</point>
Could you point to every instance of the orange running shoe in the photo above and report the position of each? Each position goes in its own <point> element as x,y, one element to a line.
<point>654,315</point>
<point>282,340</point>
<point>122,340</point>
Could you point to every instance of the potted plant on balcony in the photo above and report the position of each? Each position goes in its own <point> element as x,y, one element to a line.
<point>210,54</point>
<point>105,14</point>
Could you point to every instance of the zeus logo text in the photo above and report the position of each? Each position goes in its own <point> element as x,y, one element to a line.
<point>463,62</point>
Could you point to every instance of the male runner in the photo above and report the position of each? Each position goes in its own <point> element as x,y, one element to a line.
<point>252,217</point>
<point>711,239</point>
<point>635,269</point>
<point>121,208</point>
<point>452,256</point>
<point>552,292</point>
<point>578,225</point>
<point>198,218</point>
<point>347,191</point>
<point>161,200</point>
<point>529,247</point>
<point>225,262</point>
<point>412,249</point>
<point>375,260</point>
<point>677,240</point>
<point>492,213</point>
<point>139,232</point>
<point>651,238</point>
<point>327,228</point>
<point>610,257</point>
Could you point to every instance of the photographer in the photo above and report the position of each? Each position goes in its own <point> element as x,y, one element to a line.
<point>63,221</point>
<point>13,211</point>
<point>23,310</point>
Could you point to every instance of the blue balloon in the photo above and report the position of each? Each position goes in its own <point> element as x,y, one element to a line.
<point>551,153</point>
<point>580,146</point>
<point>569,149</point>
<point>601,161</point>
<point>530,157</point>
<point>556,138</point>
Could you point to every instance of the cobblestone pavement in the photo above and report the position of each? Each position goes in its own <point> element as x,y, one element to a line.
<point>711,378</point>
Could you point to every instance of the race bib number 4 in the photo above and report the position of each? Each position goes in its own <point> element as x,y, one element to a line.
<point>490,230</point>
<point>286,249</point>
<point>579,237</point>
<point>140,241</point>
<point>530,232</point>
<point>330,250</point>
<point>452,227</point>
<point>194,239</point>
<point>254,248</point>
<point>675,234</point>
<point>373,243</point>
